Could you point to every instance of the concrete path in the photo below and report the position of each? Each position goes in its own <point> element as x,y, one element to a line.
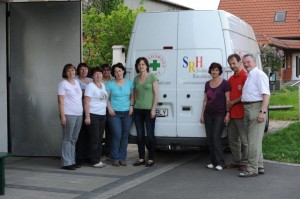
<point>276,125</point>
<point>42,178</point>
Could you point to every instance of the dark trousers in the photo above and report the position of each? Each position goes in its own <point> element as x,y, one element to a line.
<point>142,119</point>
<point>108,138</point>
<point>95,134</point>
<point>81,144</point>
<point>214,126</point>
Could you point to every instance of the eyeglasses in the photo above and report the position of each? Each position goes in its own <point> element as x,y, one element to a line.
<point>106,69</point>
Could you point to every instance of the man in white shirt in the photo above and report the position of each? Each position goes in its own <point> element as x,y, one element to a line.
<point>255,97</point>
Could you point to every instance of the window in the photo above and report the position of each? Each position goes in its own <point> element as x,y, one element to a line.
<point>280,16</point>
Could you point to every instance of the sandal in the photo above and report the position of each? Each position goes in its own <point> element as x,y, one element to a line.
<point>149,164</point>
<point>139,163</point>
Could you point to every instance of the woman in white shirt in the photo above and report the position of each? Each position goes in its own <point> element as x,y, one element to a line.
<point>70,112</point>
<point>95,102</point>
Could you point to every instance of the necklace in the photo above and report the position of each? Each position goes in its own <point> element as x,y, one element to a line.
<point>215,82</point>
<point>71,81</point>
<point>99,85</point>
<point>143,77</point>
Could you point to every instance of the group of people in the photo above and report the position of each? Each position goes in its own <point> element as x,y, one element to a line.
<point>88,107</point>
<point>109,102</point>
<point>241,104</point>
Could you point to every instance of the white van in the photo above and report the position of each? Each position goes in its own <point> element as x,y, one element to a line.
<point>180,46</point>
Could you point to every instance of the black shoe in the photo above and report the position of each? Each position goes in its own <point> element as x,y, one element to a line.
<point>149,164</point>
<point>77,165</point>
<point>139,163</point>
<point>261,170</point>
<point>70,167</point>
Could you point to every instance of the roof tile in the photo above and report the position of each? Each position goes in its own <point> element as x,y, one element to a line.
<point>260,15</point>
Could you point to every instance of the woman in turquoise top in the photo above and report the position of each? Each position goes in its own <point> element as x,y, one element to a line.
<point>120,109</point>
<point>146,86</point>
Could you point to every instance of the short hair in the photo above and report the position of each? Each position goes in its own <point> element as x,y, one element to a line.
<point>80,65</point>
<point>215,65</point>
<point>138,61</point>
<point>97,69</point>
<point>67,67</point>
<point>250,55</point>
<point>236,56</point>
<point>103,66</point>
<point>119,65</point>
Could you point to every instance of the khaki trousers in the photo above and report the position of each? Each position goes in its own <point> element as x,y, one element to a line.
<point>255,133</point>
<point>238,141</point>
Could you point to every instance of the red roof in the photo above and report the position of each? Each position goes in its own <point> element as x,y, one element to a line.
<point>260,15</point>
<point>282,43</point>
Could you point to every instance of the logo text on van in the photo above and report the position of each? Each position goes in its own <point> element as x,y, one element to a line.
<point>158,64</point>
<point>192,65</point>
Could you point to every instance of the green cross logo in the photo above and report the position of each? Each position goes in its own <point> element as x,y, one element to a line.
<point>154,65</point>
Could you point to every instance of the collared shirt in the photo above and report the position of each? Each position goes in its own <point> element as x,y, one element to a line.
<point>255,86</point>
<point>120,95</point>
<point>237,82</point>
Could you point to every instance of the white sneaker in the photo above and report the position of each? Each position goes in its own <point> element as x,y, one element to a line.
<point>219,168</point>
<point>210,166</point>
<point>99,165</point>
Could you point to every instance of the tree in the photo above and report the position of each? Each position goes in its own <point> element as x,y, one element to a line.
<point>103,31</point>
<point>271,57</point>
<point>101,6</point>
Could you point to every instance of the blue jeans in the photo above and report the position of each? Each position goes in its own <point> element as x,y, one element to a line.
<point>214,126</point>
<point>143,118</point>
<point>120,126</point>
<point>70,135</point>
<point>95,135</point>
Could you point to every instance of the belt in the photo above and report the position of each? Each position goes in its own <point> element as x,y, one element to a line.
<point>251,102</point>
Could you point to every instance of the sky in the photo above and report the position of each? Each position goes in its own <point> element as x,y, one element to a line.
<point>199,4</point>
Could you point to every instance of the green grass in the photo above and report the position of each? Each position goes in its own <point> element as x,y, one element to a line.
<point>284,145</point>
<point>288,95</point>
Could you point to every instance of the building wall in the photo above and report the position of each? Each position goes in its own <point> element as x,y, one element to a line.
<point>3,80</point>
<point>285,74</point>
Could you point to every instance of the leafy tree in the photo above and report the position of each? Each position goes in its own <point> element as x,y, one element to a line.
<point>101,6</point>
<point>271,57</point>
<point>103,31</point>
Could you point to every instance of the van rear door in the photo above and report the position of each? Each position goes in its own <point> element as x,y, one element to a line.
<point>158,43</point>
<point>200,42</point>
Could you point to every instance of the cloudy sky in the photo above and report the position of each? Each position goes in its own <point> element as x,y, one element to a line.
<point>199,4</point>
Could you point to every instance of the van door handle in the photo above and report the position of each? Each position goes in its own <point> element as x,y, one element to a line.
<point>185,108</point>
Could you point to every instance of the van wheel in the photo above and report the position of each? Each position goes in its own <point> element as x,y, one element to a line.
<point>267,126</point>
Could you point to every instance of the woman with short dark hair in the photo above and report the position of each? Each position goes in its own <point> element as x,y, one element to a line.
<point>95,101</point>
<point>120,108</point>
<point>81,144</point>
<point>215,115</point>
